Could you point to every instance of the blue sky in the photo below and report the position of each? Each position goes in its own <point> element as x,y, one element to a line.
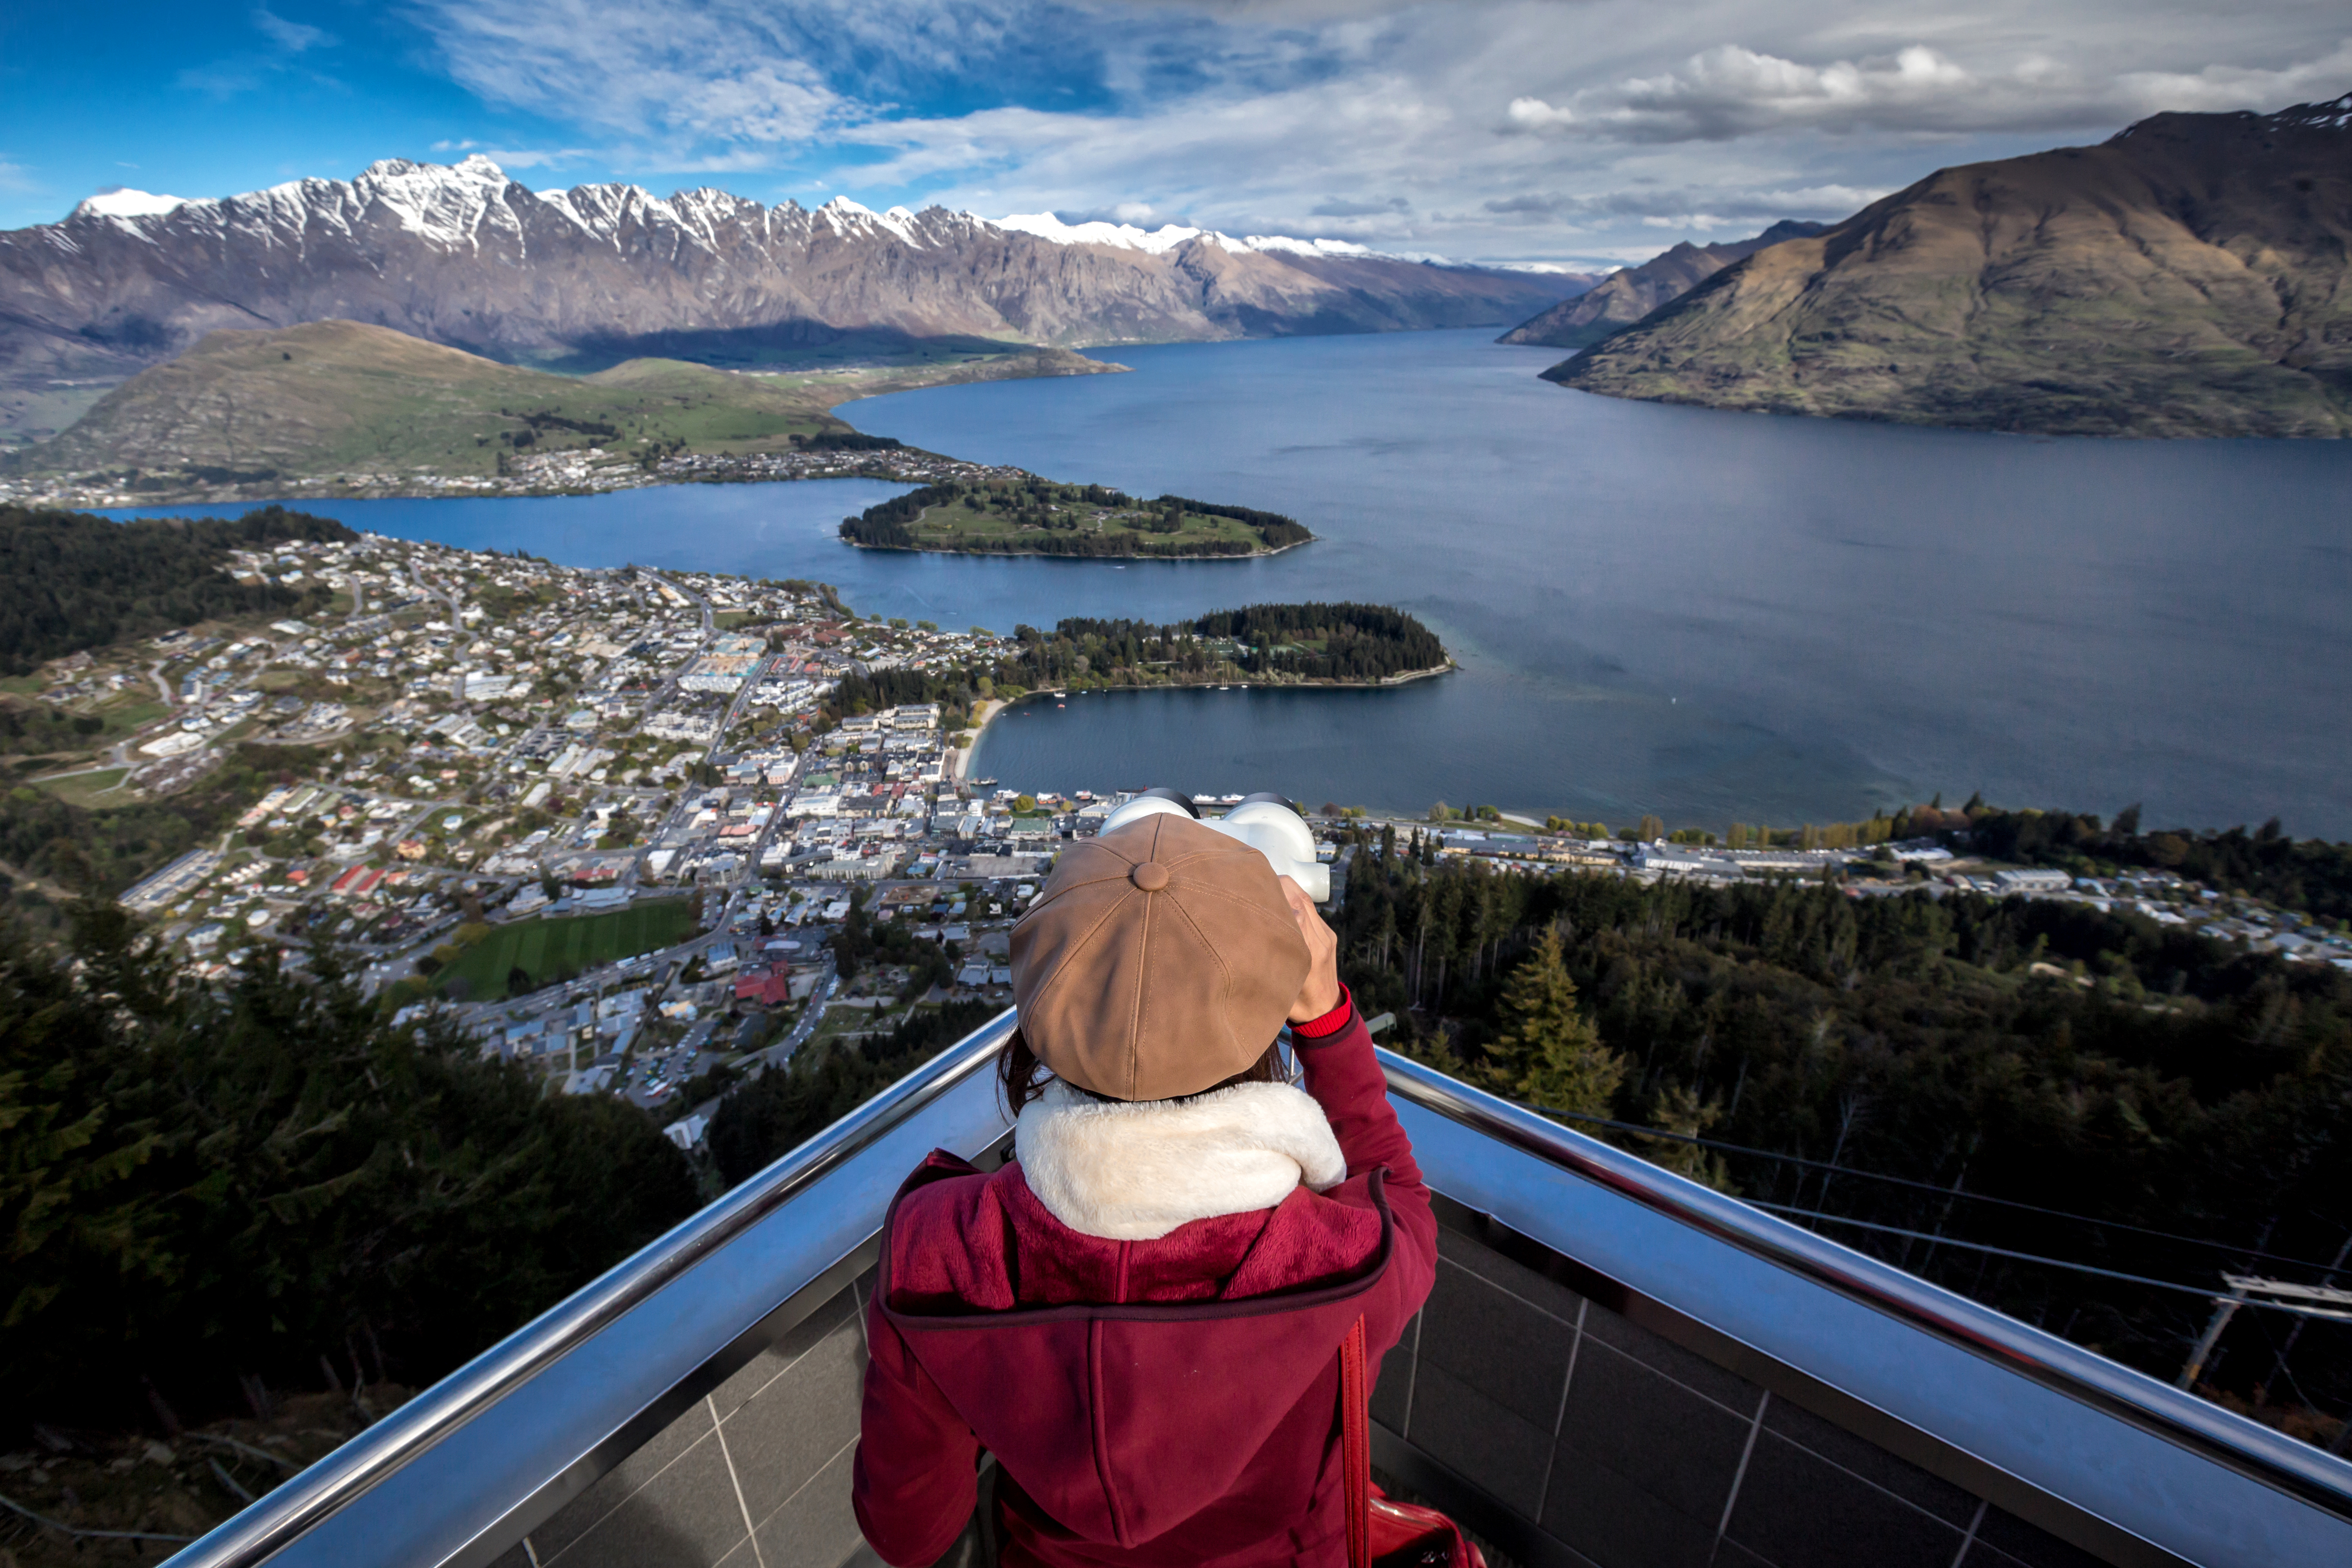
<point>1561,130</point>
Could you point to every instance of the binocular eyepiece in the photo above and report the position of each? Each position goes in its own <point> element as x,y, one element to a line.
<point>1266,822</point>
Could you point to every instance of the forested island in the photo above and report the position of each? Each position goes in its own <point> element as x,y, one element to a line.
<point>1038,517</point>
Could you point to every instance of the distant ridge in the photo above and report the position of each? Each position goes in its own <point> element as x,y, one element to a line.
<point>364,409</point>
<point>2188,277</point>
<point>1624,297</point>
<point>462,256</point>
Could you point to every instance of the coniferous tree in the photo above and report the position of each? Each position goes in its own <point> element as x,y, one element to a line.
<point>1679,1108</point>
<point>1549,1053</point>
<point>201,1183</point>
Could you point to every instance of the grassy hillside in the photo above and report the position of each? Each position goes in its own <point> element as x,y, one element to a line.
<point>337,398</point>
<point>2187,277</point>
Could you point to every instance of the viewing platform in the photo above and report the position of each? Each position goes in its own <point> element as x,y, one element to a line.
<point>1617,1367</point>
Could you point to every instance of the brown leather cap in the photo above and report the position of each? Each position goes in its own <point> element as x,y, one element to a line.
<point>1159,960</point>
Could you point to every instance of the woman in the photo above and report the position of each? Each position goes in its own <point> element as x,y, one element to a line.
<point>1140,1319</point>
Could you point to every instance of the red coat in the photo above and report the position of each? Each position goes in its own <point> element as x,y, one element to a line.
<point>1171,1402</point>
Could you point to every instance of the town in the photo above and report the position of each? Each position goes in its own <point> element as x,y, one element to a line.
<point>574,470</point>
<point>617,823</point>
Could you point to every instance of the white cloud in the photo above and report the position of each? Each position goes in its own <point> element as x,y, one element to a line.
<point>1731,91</point>
<point>1710,211</point>
<point>245,70</point>
<point>16,179</point>
<point>715,74</point>
<point>1526,130</point>
<point>293,37</point>
<point>511,158</point>
<point>2234,87</point>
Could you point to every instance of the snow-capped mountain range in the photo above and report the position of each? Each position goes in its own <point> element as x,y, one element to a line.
<point>462,255</point>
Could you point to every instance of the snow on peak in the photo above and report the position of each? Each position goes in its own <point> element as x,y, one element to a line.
<point>1305,246</point>
<point>1124,236</point>
<point>1168,236</point>
<point>444,203</point>
<point>848,218</point>
<point>122,200</point>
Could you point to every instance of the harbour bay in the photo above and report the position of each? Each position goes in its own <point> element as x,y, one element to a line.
<point>1701,614</point>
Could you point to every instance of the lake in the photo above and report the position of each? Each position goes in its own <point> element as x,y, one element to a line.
<point>1707,616</point>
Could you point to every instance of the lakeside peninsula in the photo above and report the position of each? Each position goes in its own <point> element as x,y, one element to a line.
<point>1340,644</point>
<point>1030,516</point>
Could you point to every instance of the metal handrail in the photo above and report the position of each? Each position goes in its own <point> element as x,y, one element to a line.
<point>282,1515</point>
<point>2246,1446</point>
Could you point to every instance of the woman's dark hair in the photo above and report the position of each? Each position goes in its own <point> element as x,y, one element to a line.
<point>1023,1078</point>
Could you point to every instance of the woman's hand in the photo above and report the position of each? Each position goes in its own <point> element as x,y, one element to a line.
<point>1321,992</point>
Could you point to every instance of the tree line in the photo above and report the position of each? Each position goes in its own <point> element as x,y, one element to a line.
<point>2048,1054</point>
<point>210,1190</point>
<point>2308,874</point>
<point>766,1118</point>
<point>1304,641</point>
<point>104,852</point>
<point>77,582</point>
<point>1051,509</point>
<point>1308,642</point>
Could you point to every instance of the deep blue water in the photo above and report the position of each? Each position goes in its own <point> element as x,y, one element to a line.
<point>1709,616</point>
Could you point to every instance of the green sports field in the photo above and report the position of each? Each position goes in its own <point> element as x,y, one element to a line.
<point>545,949</point>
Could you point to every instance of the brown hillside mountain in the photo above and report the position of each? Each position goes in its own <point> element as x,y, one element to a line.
<point>2187,277</point>
<point>463,256</point>
<point>246,411</point>
<point>1626,297</point>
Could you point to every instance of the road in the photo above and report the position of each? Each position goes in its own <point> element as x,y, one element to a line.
<point>782,1051</point>
<point>431,590</point>
<point>709,622</point>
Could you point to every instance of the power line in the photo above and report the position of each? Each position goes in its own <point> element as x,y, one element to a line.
<point>2204,1290</point>
<point>2231,1247</point>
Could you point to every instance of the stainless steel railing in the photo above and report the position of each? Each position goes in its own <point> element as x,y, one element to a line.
<point>2246,1446</point>
<point>283,1516</point>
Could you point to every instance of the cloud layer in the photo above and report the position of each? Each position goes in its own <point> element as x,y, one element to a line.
<point>1562,131</point>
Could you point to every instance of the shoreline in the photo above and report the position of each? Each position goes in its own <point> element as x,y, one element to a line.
<point>983,717</point>
<point>1121,560</point>
<point>1050,555</point>
<point>996,708</point>
<point>285,495</point>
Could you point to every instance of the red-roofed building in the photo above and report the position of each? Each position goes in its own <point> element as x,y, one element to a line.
<point>766,988</point>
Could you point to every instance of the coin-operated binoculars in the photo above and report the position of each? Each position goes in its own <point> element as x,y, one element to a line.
<point>1265,822</point>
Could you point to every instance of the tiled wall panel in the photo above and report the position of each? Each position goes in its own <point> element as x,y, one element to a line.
<point>1627,1450</point>
<point>1613,1446</point>
<point>755,1475</point>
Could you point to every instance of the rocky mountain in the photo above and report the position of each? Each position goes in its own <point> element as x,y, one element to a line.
<point>463,256</point>
<point>2187,277</point>
<point>1624,297</point>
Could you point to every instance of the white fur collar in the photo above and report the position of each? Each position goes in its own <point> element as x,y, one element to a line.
<point>1135,1171</point>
